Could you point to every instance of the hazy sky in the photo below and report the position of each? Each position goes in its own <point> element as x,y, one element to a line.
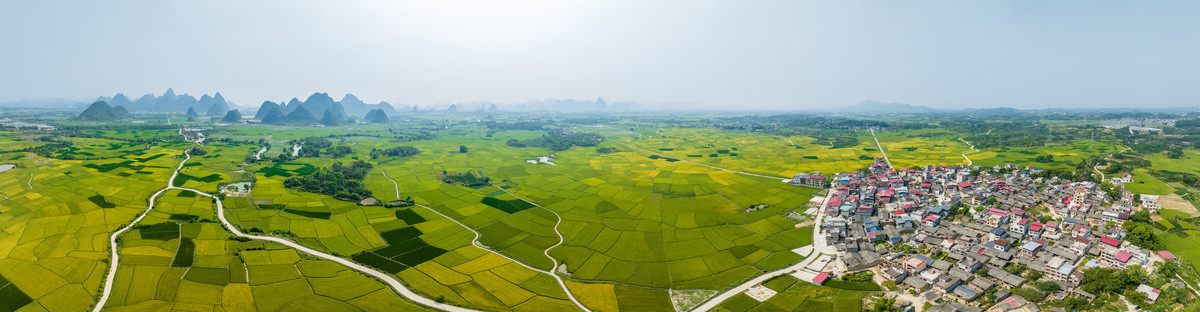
<point>728,54</point>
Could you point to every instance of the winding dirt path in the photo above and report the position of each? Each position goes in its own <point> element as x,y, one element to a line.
<point>974,150</point>
<point>476,242</point>
<point>115,260</point>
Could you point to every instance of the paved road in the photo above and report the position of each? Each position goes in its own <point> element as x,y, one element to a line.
<point>387,278</point>
<point>696,163</point>
<point>819,247</point>
<point>880,146</point>
<point>116,257</point>
<point>476,242</point>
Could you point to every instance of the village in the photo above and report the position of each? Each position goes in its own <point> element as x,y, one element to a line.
<point>965,238</point>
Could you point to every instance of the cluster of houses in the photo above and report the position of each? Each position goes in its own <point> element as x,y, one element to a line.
<point>969,245</point>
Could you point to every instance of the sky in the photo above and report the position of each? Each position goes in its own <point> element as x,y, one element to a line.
<point>770,55</point>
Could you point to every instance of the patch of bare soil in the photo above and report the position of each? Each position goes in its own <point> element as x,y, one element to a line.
<point>1174,202</point>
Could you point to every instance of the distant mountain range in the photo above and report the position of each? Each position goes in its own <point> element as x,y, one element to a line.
<point>170,102</point>
<point>873,107</point>
<point>551,105</point>
<point>56,103</point>
<point>330,112</point>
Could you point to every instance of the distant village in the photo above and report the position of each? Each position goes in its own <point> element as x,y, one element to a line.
<point>946,234</point>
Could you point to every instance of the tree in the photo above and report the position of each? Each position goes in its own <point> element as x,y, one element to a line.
<point>1029,294</point>
<point>1033,275</point>
<point>462,149</point>
<point>1134,275</point>
<point>1047,286</point>
<point>1135,297</point>
<point>884,305</point>
<point>1110,280</point>
<point>1168,269</point>
<point>1141,233</point>
<point>1175,153</point>
<point>1015,269</point>
<point>1100,280</point>
<point>1140,216</point>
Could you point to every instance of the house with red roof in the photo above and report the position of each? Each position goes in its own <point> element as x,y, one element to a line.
<point>1050,231</point>
<point>1035,229</point>
<point>1121,258</point>
<point>995,217</point>
<point>1019,228</point>
<point>821,278</point>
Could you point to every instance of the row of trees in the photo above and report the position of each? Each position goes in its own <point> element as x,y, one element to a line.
<point>559,141</point>
<point>399,151</point>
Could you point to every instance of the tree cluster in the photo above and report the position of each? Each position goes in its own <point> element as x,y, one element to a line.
<point>1139,231</point>
<point>559,141</point>
<point>465,179</point>
<point>517,125</point>
<point>340,181</point>
<point>399,151</point>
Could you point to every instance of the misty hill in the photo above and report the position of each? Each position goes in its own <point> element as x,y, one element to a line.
<point>233,116</point>
<point>266,107</point>
<point>329,119</point>
<point>273,115</point>
<point>300,115</point>
<point>218,106</point>
<point>101,111</point>
<point>355,106</point>
<point>567,105</point>
<point>170,102</point>
<point>376,116</point>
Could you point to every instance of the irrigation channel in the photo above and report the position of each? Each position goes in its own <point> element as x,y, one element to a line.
<point>387,278</point>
